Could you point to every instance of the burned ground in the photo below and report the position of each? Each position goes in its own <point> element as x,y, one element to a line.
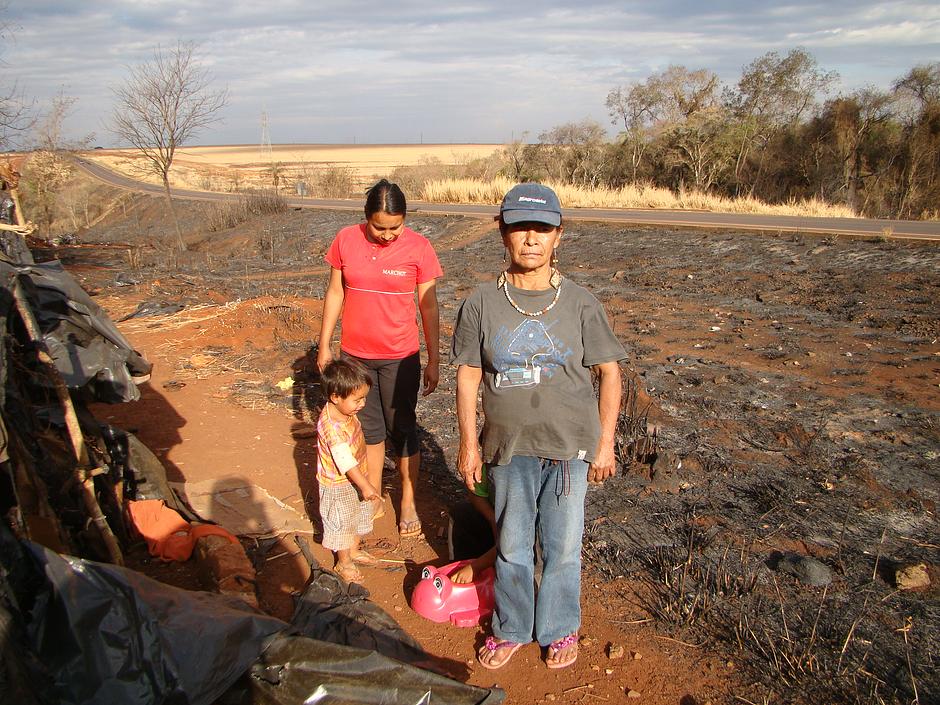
<point>783,401</point>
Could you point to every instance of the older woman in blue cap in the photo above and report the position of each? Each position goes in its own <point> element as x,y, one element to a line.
<point>535,340</point>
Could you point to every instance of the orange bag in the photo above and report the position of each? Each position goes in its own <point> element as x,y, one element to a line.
<point>169,537</point>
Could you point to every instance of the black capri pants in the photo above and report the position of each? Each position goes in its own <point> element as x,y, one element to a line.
<point>389,413</point>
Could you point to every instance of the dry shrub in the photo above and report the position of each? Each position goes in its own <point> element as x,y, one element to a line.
<point>334,182</point>
<point>413,177</point>
<point>686,587</point>
<point>44,175</point>
<point>228,214</point>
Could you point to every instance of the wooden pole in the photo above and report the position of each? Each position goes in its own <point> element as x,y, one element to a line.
<point>17,211</point>
<point>84,473</point>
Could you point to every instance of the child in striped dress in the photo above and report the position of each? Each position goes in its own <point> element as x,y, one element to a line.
<point>348,501</point>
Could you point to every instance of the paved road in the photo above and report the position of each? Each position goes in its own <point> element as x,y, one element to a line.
<point>905,229</point>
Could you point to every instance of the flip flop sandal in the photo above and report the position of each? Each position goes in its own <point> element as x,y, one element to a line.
<point>365,558</point>
<point>349,573</point>
<point>493,644</point>
<point>409,528</point>
<point>557,646</point>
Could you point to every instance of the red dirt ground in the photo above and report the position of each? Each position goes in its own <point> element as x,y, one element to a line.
<point>200,434</point>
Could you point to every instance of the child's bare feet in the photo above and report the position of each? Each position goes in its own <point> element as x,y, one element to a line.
<point>348,572</point>
<point>463,575</point>
<point>468,573</point>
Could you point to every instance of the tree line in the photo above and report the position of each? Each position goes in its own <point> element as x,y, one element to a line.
<point>775,135</point>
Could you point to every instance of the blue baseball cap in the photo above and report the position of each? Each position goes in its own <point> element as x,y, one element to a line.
<point>531,202</point>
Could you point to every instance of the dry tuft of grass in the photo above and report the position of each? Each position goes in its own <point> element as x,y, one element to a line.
<point>227,214</point>
<point>642,196</point>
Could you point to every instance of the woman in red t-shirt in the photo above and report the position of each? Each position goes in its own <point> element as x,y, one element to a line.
<point>377,267</point>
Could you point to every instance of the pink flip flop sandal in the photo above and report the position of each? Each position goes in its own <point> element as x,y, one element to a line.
<point>493,644</point>
<point>559,645</point>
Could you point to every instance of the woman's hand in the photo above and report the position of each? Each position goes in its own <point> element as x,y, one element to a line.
<point>432,375</point>
<point>608,407</point>
<point>324,357</point>
<point>431,322</point>
<point>469,465</point>
<point>604,465</point>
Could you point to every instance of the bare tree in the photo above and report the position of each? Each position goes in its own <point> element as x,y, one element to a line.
<point>163,104</point>
<point>700,148</point>
<point>921,83</point>
<point>49,128</point>
<point>678,93</point>
<point>574,152</point>
<point>636,107</point>
<point>15,115</point>
<point>917,96</point>
<point>663,106</point>
<point>773,92</point>
<point>518,159</point>
<point>48,167</point>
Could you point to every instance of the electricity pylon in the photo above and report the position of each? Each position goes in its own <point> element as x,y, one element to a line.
<point>267,154</point>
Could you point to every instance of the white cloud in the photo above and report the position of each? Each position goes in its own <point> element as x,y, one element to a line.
<point>900,34</point>
<point>474,71</point>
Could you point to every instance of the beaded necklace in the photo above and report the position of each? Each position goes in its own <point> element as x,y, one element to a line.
<point>555,281</point>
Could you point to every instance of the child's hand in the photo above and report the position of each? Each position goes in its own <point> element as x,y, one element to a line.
<point>378,507</point>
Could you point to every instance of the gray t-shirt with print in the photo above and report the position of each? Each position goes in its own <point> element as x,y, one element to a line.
<point>538,396</point>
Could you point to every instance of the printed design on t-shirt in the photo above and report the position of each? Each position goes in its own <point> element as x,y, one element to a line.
<point>527,354</point>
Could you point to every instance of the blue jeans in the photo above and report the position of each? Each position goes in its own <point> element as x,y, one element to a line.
<point>536,497</point>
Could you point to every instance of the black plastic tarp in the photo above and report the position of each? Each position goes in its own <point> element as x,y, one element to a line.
<point>106,634</point>
<point>295,670</point>
<point>330,609</point>
<point>78,631</point>
<point>89,351</point>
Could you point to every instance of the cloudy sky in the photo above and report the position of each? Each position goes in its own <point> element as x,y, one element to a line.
<point>464,71</point>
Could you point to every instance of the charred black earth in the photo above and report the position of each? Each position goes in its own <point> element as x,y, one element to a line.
<point>779,438</point>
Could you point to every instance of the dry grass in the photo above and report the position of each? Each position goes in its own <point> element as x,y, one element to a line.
<point>227,214</point>
<point>631,196</point>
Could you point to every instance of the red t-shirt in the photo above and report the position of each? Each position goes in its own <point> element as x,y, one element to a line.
<point>379,313</point>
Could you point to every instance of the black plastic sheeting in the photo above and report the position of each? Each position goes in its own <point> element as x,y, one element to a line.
<point>89,351</point>
<point>82,632</point>
<point>296,670</point>
<point>333,610</point>
<point>106,634</point>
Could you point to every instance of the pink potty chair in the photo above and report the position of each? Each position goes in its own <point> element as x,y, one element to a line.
<point>436,598</point>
